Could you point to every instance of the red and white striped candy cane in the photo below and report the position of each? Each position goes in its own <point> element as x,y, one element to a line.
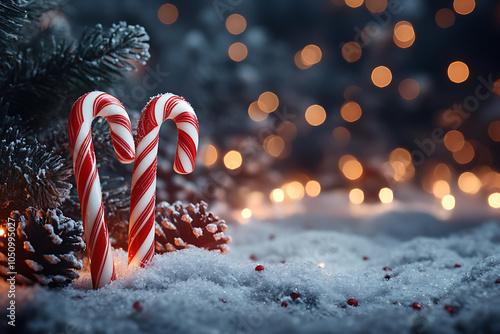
<point>85,109</point>
<point>142,202</point>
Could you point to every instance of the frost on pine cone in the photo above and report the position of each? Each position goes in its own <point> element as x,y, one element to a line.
<point>45,243</point>
<point>186,226</point>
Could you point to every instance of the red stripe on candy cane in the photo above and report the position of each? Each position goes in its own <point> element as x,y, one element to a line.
<point>142,202</point>
<point>85,109</point>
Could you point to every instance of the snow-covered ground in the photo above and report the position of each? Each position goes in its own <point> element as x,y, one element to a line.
<point>313,265</point>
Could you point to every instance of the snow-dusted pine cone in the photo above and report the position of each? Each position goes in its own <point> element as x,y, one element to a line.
<point>185,226</point>
<point>45,243</point>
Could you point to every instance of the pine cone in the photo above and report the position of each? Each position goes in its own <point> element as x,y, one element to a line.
<point>45,243</point>
<point>179,227</point>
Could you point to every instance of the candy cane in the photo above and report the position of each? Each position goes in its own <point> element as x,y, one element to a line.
<point>85,109</point>
<point>142,201</point>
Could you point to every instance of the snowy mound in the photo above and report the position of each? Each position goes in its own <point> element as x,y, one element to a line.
<point>307,280</point>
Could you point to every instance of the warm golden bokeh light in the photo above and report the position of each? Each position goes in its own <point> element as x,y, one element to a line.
<point>354,3</point>
<point>454,140</point>
<point>441,188</point>
<point>465,154</point>
<point>400,154</point>
<point>494,200</point>
<point>298,61</point>
<point>236,24</point>
<point>2,232</point>
<point>237,51</point>
<point>313,188</point>
<point>295,190</point>
<point>351,52</point>
<point>352,169</point>
<point>458,72</point>
<point>268,102</point>
<point>381,76</point>
<point>341,135</point>
<point>350,111</point>
<point>246,213</point>
<point>277,195</point>
<point>469,183</point>
<point>274,145</point>
<point>404,35</point>
<point>464,7</point>
<point>287,130</point>
<point>386,195</point>
<point>376,6</point>
<point>311,54</point>
<point>445,18</point>
<point>345,158</point>
<point>409,89</point>
<point>356,196</point>
<point>321,265</point>
<point>400,160</point>
<point>442,172</point>
<point>494,131</point>
<point>448,202</point>
<point>208,155</point>
<point>315,115</point>
<point>255,113</point>
<point>233,160</point>
<point>168,13</point>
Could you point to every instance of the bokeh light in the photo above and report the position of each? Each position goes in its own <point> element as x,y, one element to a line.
<point>295,190</point>
<point>386,195</point>
<point>448,202</point>
<point>311,54</point>
<point>356,196</point>
<point>445,18</point>
<point>236,24</point>
<point>274,145</point>
<point>237,51</point>
<point>277,195</point>
<point>351,52</point>
<point>376,6</point>
<point>409,89</point>
<point>298,61</point>
<point>350,111</point>
<point>441,188</point>
<point>246,213</point>
<point>233,160</point>
<point>287,130</point>
<point>313,188</point>
<point>494,200</point>
<point>352,169</point>
<point>208,155</point>
<point>315,115</point>
<point>354,3</point>
<point>268,102</point>
<point>454,140</point>
<point>464,7</point>
<point>465,154</point>
<point>255,113</point>
<point>168,13</point>
<point>494,131</point>
<point>458,72</point>
<point>469,183</point>
<point>381,76</point>
<point>341,135</point>
<point>404,35</point>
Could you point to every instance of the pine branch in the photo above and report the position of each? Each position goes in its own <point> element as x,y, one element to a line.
<point>55,74</point>
<point>12,19</point>
<point>30,175</point>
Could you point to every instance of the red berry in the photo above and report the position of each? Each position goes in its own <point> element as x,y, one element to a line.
<point>449,308</point>
<point>387,268</point>
<point>387,277</point>
<point>284,304</point>
<point>253,257</point>
<point>436,301</point>
<point>223,300</point>
<point>457,265</point>
<point>294,295</point>
<point>282,261</point>
<point>137,306</point>
<point>79,297</point>
<point>352,302</point>
<point>416,306</point>
<point>259,268</point>
<point>365,258</point>
<point>497,281</point>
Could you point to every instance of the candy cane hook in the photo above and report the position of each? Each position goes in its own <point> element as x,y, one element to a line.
<point>85,109</point>
<point>142,201</point>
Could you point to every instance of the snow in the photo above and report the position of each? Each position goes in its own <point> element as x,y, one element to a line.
<point>182,292</point>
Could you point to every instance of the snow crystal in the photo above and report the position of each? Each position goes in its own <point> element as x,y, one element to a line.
<point>212,228</point>
<point>51,258</point>
<point>198,232</point>
<point>35,266</point>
